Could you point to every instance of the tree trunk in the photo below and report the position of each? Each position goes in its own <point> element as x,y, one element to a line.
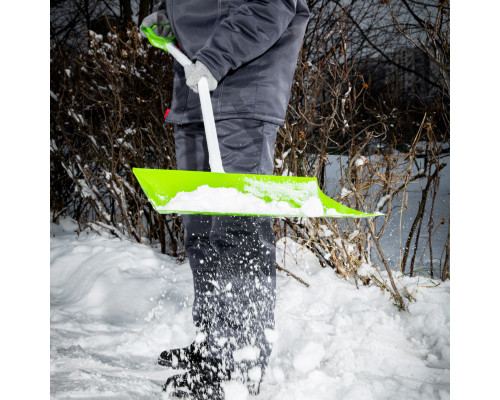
<point>144,9</point>
<point>445,274</point>
<point>127,10</point>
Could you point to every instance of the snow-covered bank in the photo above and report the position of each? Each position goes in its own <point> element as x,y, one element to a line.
<point>116,305</point>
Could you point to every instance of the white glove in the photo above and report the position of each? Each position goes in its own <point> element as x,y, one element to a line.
<point>160,19</point>
<point>195,72</point>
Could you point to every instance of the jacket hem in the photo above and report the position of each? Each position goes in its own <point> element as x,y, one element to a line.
<point>222,116</point>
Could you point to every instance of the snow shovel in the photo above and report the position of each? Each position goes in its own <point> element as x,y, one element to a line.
<point>219,193</point>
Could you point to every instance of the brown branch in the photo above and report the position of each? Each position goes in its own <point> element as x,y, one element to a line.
<point>292,275</point>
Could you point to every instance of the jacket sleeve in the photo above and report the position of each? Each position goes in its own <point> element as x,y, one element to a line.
<point>246,34</point>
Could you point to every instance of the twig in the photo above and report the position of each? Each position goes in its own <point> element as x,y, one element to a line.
<point>401,304</point>
<point>291,274</point>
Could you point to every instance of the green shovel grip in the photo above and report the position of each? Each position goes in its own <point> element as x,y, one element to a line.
<point>155,40</point>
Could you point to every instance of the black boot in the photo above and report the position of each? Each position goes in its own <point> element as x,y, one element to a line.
<point>201,382</point>
<point>183,358</point>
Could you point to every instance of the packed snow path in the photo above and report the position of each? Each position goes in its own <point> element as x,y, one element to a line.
<point>115,305</point>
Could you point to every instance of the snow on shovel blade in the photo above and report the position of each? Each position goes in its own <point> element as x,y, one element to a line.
<point>211,193</point>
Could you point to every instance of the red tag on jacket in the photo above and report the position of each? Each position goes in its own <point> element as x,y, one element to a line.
<point>166,112</point>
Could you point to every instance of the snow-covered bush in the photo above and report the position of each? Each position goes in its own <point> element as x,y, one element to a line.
<point>376,135</point>
<point>107,116</point>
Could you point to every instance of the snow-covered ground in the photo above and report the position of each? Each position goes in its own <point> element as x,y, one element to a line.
<point>115,305</point>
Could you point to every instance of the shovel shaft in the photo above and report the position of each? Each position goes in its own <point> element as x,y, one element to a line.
<point>178,55</point>
<point>206,110</point>
<point>214,157</point>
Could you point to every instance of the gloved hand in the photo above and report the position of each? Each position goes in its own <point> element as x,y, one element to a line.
<point>195,72</point>
<point>160,19</point>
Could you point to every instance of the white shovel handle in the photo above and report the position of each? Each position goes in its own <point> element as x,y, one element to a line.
<point>214,157</point>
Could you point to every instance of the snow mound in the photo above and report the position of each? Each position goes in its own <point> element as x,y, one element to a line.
<point>115,305</point>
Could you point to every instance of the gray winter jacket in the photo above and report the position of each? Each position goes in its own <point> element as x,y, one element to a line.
<point>250,46</point>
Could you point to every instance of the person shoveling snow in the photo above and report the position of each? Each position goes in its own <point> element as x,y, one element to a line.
<point>247,53</point>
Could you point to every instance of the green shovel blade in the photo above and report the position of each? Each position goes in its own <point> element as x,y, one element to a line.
<point>210,193</point>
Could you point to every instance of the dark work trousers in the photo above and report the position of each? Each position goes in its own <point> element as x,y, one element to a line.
<point>232,258</point>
